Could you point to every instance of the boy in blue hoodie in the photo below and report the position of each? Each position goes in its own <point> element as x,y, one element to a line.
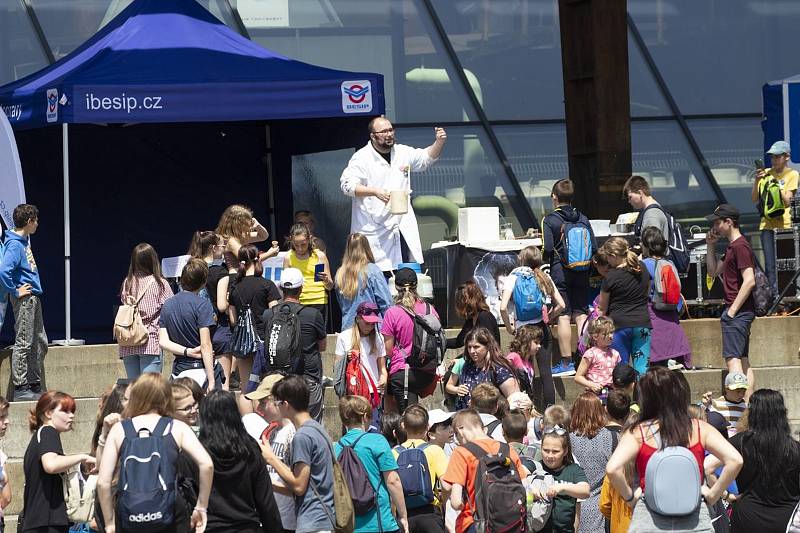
<point>572,284</point>
<point>20,278</point>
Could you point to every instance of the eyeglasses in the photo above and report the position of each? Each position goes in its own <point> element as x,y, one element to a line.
<point>188,408</point>
<point>384,132</point>
<point>558,430</point>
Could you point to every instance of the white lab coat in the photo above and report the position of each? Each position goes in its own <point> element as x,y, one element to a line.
<point>370,216</point>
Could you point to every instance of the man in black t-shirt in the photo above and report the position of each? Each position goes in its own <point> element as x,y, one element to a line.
<point>737,271</point>
<point>313,337</point>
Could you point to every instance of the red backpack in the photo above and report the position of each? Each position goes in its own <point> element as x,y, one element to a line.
<point>666,293</point>
<point>358,380</point>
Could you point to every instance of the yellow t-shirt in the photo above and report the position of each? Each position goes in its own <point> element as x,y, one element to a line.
<point>437,462</point>
<point>788,180</point>
<point>314,292</point>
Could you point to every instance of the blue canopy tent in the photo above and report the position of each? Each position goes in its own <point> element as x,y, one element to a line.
<point>171,61</point>
<point>782,114</point>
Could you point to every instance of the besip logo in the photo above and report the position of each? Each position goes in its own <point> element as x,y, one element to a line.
<point>357,96</point>
<point>145,517</point>
<point>52,105</point>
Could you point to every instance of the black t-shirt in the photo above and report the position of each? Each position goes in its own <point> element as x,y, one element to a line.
<point>628,296</point>
<point>312,330</point>
<point>256,291</point>
<point>44,494</point>
<point>485,319</point>
<point>215,274</point>
<point>762,507</point>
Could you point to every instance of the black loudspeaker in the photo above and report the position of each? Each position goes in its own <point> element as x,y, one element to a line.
<point>689,285</point>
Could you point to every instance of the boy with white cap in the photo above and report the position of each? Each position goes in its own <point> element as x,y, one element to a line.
<point>312,336</point>
<point>787,179</point>
<point>732,404</point>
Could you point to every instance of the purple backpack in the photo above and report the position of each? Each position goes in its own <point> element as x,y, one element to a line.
<point>361,490</point>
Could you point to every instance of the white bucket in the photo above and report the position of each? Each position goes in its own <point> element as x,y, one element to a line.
<point>398,202</point>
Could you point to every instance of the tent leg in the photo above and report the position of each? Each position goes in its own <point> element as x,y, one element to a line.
<point>67,340</point>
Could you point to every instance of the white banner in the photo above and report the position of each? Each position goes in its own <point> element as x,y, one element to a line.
<point>12,187</point>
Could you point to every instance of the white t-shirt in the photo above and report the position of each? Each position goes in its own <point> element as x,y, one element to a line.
<point>370,360</point>
<point>255,425</point>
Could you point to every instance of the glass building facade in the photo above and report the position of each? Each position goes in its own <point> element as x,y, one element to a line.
<point>696,71</point>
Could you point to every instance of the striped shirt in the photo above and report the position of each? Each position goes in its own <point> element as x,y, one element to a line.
<point>731,411</point>
<point>149,309</point>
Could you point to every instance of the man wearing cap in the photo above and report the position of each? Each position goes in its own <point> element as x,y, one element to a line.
<point>312,336</point>
<point>267,424</point>
<point>787,178</point>
<point>372,173</point>
<point>732,404</point>
<point>737,270</point>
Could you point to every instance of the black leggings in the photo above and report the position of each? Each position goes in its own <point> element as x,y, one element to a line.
<point>544,361</point>
<point>417,382</point>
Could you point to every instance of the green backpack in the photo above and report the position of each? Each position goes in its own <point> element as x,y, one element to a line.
<point>770,202</point>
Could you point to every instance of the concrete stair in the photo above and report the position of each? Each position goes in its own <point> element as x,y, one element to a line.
<point>86,371</point>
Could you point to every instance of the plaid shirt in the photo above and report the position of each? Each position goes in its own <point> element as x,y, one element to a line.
<point>149,309</point>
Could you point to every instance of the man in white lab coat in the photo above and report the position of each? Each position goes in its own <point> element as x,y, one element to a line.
<point>375,170</point>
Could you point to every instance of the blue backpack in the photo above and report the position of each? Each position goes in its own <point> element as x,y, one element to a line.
<point>415,476</point>
<point>528,296</point>
<point>577,241</point>
<point>147,481</point>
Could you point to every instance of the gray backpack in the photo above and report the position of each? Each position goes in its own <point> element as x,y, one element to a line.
<point>672,480</point>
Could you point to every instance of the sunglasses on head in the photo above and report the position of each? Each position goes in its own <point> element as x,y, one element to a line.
<point>558,430</point>
<point>367,311</point>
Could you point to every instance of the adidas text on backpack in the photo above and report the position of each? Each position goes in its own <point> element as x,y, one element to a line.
<point>415,475</point>
<point>146,489</point>
<point>528,296</point>
<point>282,348</point>
<point>500,496</point>
<point>672,480</point>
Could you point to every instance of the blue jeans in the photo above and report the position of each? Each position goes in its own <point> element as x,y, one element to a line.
<point>770,268</point>
<point>136,365</point>
<point>633,344</point>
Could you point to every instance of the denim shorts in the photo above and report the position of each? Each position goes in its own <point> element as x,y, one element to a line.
<point>736,334</point>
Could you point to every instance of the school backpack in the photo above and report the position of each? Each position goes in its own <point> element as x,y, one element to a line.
<point>358,380</point>
<point>129,329</point>
<point>770,201</point>
<point>672,480</point>
<point>147,481</point>
<point>79,494</point>
<point>429,344</point>
<point>676,240</point>
<point>244,339</point>
<point>665,292</point>
<point>500,496</point>
<point>363,494</point>
<point>528,296</point>
<point>282,348</point>
<point>538,510</point>
<point>415,475</point>
<point>576,240</point>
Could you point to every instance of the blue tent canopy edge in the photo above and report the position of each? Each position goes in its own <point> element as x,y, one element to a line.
<point>173,61</point>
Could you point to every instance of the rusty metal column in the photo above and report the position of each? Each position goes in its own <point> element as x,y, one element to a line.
<point>594,55</point>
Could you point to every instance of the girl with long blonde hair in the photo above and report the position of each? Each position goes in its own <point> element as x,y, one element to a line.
<point>624,296</point>
<point>359,280</point>
<point>530,261</point>
<point>237,226</point>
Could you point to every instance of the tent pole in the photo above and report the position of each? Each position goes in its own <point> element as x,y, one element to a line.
<point>68,340</point>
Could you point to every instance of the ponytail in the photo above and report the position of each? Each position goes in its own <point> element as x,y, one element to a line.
<point>632,263</point>
<point>618,247</point>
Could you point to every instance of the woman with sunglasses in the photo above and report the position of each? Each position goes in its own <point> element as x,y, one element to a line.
<point>364,342</point>
<point>485,363</point>
<point>665,398</point>
<point>570,481</point>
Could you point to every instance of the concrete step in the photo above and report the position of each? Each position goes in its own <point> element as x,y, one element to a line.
<point>86,371</point>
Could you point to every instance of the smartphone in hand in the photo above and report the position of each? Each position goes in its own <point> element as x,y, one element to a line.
<point>319,268</point>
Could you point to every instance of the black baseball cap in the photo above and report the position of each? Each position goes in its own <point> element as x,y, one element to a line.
<point>724,211</point>
<point>405,277</point>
